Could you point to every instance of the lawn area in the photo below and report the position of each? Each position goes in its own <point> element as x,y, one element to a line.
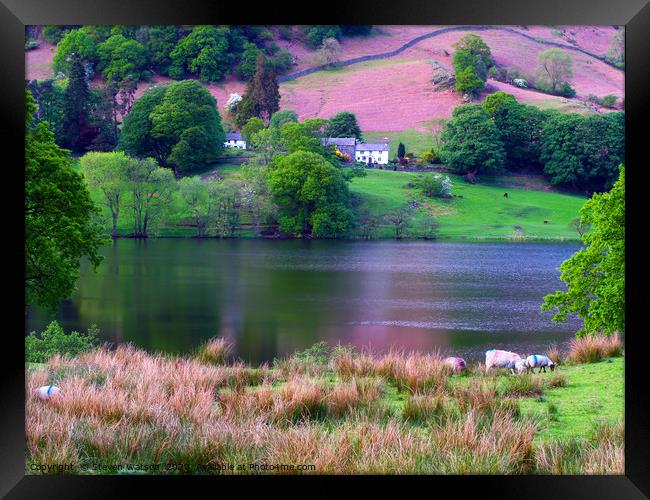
<point>594,392</point>
<point>482,212</point>
<point>415,141</point>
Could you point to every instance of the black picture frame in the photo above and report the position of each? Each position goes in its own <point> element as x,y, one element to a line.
<point>634,14</point>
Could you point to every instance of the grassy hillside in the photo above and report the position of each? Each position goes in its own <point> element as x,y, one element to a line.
<point>481,213</point>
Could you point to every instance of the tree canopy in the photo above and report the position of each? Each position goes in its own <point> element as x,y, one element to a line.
<point>178,124</point>
<point>75,45</point>
<point>262,96</point>
<point>311,194</point>
<point>119,57</point>
<point>471,62</point>
<point>344,124</point>
<point>60,225</point>
<point>203,52</point>
<point>583,152</point>
<point>471,142</point>
<point>595,275</point>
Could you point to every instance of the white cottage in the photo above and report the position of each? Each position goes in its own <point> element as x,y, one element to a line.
<point>234,140</point>
<point>372,153</point>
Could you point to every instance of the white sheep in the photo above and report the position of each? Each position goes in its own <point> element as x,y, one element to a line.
<point>47,391</point>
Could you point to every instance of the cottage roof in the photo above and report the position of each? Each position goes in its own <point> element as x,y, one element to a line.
<point>233,136</point>
<point>340,141</point>
<point>372,146</point>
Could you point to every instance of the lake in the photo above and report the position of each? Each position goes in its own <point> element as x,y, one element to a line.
<point>273,297</point>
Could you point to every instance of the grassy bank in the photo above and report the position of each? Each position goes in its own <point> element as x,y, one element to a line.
<point>480,212</point>
<point>333,410</point>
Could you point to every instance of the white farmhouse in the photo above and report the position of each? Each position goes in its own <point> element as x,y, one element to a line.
<point>234,140</point>
<point>372,153</point>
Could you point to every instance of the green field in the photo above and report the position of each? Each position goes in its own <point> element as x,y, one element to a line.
<point>593,392</point>
<point>416,142</point>
<point>481,214</point>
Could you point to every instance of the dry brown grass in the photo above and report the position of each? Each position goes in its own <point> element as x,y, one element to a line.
<point>215,350</point>
<point>127,406</point>
<point>592,348</point>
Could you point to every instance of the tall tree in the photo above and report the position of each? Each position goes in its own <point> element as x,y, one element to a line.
<point>120,57</point>
<point>78,130</point>
<point>312,195</point>
<point>60,226</point>
<point>554,68</point>
<point>595,275</point>
<point>344,124</point>
<point>583,152</point>
<point>262,96</point>
<point>520,130</point>
<point>76,45</point>
<point>177,124</point>
<point>471,61</point>
<point>205,51</point>
<point>151,190</point>
<point>471,142</point>
<point>108,172</point>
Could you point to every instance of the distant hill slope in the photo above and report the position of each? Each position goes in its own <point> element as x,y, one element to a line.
<point>396,93</point>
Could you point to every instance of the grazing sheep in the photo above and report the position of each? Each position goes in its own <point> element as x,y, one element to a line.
<point>456,364</point>
<point>47,391</point>
<point>520,366</point>
<point>537,360</point>
<point>495,358</point>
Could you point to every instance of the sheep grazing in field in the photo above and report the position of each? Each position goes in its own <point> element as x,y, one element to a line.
<point>456,364</point>
<point>539,361</point>
<point>520,366</point>
<point>47,391</point>
<point>495,358</point>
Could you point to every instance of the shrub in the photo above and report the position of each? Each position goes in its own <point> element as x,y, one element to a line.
<point>216,350</point>
<point>53,340</point>
<point>522,385</point>
<point>433,184</point>
<point>607,101</point>
<point>592,348</point>
<point>565,90</point>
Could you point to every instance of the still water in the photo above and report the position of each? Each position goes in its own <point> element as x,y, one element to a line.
<point>273,297</point>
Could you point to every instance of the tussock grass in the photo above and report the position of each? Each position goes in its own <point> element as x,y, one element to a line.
<point>593,348</point>
<point>215,350</point>
<point>341,411</point>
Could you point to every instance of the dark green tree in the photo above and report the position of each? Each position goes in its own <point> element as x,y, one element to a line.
<point>262,96</point>
<point>595,275</point>
<point>248,61</point>
<point>204,52</point>
<point>471,142</point>
<point>344,124</point>
<point>583,152</point>
<point>119,58</point>
<point>78,130</point>
<point>312,196</point>
<point>401,151</point>
<point>136,138</point>
<point>160,44</point>
<point>186,126</point>
<point>48,95</point>
<point>76,45</point>
<point>472,60</point>
<point>520,130</point>
<point>60,225</point>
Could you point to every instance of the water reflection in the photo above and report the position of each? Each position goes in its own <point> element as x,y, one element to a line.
<point>273,297</point>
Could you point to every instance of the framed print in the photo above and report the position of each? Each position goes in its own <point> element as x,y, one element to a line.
<point>258,243</point>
